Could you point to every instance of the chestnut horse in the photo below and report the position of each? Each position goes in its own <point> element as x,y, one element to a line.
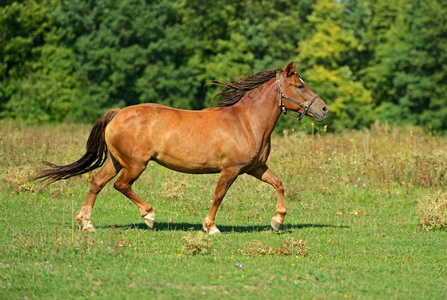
<point>232,138</point>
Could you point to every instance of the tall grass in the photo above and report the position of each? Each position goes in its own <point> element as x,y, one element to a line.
<point>381,157</point>
<point>353,227</point>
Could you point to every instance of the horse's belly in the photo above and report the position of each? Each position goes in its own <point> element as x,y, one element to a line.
<point>188,163</point>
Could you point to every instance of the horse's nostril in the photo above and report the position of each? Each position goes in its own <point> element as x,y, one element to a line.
<point>325,109</point>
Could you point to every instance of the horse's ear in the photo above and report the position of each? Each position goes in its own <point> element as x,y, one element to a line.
<point>290,69</point>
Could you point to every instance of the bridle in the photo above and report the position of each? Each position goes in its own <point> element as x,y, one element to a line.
<point>284,109</point>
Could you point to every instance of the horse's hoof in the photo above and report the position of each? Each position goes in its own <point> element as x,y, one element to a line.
<point>89,229</point>
<point>275,225</point>
<point>149,219</point>
<point>215,232</point>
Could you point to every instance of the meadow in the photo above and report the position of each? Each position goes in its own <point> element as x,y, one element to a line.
<point>353,228</point>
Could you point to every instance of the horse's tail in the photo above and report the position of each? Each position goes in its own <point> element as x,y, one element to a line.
<point>94,157</point>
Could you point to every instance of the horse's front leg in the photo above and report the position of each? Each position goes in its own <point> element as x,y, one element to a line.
<point>263,173</point>
<point>226,178</point>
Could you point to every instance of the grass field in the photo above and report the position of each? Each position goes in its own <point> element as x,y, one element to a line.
<point>352,231</point>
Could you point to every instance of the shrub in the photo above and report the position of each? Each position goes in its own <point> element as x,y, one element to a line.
<point>194,244</point>
<point>432,211</point>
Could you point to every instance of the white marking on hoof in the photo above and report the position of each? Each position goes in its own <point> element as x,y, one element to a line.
<point>89,229</point>
<point>83,218</point>
<point>87,226</point>
<point>215,232</point>
<point>275,225</point>
<point>204,227</point>
<point>149,219</point>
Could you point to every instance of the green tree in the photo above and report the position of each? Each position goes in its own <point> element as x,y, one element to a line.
<point>46,94</point>
<point>126,52</point>
<point>419,61</point>
<point>37,85</point>
<point>385,30</point>
<point>325,55</point>
<point>241,37</point>
<point>215,47</point>
<point>273,29</point>
<point>408,45</point>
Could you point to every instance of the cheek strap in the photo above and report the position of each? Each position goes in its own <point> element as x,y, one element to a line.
<point>284,109</point>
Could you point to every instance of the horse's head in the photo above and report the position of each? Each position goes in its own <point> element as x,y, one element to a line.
<point>296,96</point>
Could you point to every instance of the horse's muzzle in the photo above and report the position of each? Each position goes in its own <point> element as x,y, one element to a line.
<point>319,114</point>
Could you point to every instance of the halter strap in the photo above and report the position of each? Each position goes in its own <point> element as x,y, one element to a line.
<point>284,109</point>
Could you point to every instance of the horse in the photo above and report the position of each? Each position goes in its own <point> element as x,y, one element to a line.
<point>231,138</point>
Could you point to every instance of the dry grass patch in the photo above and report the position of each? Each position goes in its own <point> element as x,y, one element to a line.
<point>432,211</point>
<point>196,243</point>
<point>18,176</point>
<point>288,247</point>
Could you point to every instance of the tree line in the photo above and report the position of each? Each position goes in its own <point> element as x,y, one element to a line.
<point>368,59</point>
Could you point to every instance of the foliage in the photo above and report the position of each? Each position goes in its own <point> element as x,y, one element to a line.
<point>370,60</point>
<point>408,42</point>
<point>421,76</point>
<point>37,72</point>
<point>126,53</point>
<point>325,56</point>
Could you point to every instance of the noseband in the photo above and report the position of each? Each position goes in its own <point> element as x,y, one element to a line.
<point>284,109</point>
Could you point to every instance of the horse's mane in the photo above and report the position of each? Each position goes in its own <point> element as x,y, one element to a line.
<point>233,91</point>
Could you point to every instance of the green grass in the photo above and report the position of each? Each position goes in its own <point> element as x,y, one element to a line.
<point>364,242</point>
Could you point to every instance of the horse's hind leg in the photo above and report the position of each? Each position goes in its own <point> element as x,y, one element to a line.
<point>110,169</point>
<point>124,184</point>
<point>263,173</point>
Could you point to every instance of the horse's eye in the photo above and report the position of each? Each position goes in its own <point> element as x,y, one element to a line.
<point>300,87</point>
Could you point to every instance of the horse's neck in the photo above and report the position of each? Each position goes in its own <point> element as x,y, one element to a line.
<point>261,107</point>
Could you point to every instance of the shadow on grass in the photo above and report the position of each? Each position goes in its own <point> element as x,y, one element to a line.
<point>166,226</point>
